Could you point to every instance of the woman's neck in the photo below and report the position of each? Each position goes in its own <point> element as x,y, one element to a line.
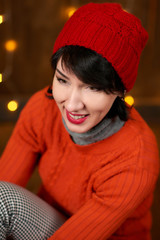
<point>101,131</point>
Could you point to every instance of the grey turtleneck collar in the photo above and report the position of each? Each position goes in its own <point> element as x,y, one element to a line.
<point>102,130</point>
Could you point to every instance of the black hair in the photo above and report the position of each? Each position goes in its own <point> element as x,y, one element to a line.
<point>93,69</point>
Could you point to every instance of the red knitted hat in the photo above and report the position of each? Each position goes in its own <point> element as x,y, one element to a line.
<point>110,31</point>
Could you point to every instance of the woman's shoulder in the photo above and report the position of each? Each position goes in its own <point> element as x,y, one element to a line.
<point>134,144</point>
<point>143,141</point>
<point>138,127</point>
<point>39,102</point>
<point>39,111</point>
<point>38,117</point>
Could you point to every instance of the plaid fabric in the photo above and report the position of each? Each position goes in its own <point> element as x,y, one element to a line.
<point>23,215</point>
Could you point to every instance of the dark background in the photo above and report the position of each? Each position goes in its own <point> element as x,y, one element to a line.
<point>34,25</point>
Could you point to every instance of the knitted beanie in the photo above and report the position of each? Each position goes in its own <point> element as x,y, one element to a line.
<point>110,31</point>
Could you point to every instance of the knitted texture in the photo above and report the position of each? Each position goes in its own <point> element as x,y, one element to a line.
<point>110,31</point>
<point>106,187</point>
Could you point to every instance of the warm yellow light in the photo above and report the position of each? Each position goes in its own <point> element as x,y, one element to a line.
<point>12,106</point>
<point>129,100</point>
<point>1,77</point>
<point>11,45</point>
<point>70,11</point>
<point>1,19</point>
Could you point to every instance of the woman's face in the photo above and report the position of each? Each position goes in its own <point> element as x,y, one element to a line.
<point>82,106</point>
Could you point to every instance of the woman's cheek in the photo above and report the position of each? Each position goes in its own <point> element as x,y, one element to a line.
<point>60,94</point>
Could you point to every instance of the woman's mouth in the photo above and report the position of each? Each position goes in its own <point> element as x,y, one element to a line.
<point>76,118</point>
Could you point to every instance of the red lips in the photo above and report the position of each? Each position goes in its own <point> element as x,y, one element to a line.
<point>72,117</point>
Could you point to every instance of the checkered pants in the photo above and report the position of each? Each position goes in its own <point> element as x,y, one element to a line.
<point>23,215</point>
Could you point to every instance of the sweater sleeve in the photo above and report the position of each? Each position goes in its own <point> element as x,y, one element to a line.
<point>23,148</point>
<point>111,204</point>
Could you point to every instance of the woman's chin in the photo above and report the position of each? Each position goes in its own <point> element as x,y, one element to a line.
<point>77,128</point>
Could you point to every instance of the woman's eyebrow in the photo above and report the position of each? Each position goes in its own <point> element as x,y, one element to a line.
<point>61,73</point>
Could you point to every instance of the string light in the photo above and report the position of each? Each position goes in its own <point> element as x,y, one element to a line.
<point>1,19</point>
<point>10,45</point>
<point>12,106</point>
<point>129,100</point>
<point>70,11</point>
<point>1,80</point>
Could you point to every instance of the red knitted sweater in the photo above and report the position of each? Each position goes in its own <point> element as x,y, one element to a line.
<point>106,187</point>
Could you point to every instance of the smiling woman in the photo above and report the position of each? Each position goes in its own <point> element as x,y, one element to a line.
<point>96,156</point>
<point>95,72</point>
<point>82,106</point>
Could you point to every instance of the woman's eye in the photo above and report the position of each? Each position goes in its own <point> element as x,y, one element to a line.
<point>61,80</point>
<point>94,89</point>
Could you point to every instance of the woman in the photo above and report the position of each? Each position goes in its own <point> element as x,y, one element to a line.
<point>97,158</point>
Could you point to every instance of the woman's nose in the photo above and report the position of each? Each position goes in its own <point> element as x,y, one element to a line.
<point>74,101</point>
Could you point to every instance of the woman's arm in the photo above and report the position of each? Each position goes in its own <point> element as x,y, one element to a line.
<point>24,146</point>
<point>112,203</point>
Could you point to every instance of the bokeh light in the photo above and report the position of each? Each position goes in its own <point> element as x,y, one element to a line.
<point>1,77</point>
<point>70,11</point>
<point>129,100</point>
<point>12,106</point>
<point>1,19</point>
<point>10,45</point>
